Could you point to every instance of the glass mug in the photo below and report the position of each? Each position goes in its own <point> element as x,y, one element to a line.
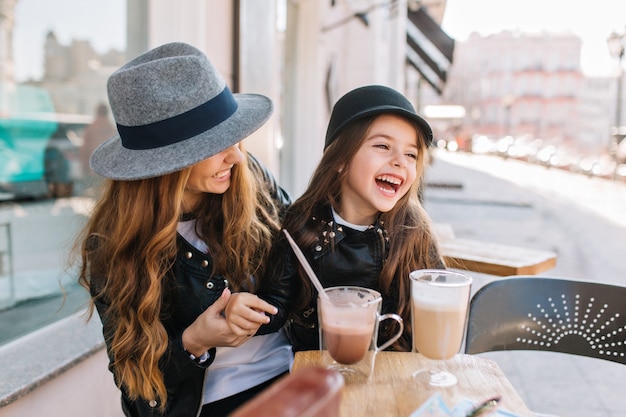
<point>348,330</point>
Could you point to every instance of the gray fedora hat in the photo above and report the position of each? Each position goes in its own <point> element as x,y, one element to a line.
<point>172,109</point>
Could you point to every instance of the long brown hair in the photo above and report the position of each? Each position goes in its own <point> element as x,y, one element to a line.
<point>133,226</point>
<point>411,242</point>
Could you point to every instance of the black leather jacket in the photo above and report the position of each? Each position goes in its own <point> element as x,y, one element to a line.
<point>190,292</point>
<point>341,256</point>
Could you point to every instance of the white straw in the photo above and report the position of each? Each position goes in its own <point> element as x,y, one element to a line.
<point>305,264</point>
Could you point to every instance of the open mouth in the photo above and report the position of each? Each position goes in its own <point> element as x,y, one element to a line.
<point>222,174</point>
<point>388,183</point>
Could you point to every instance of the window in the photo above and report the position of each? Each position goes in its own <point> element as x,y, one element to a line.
<point>53,75</point>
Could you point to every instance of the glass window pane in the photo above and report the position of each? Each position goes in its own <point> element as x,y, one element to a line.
<point>55,58</point>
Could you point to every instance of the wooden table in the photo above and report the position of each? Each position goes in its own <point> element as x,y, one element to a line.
<point>495,259</point>
<point>392,391</point>
<point>490,258</point>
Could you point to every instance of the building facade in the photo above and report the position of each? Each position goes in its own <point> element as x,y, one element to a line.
<point>75,75</point>
<point>518,84</point>
<point>531,84</point>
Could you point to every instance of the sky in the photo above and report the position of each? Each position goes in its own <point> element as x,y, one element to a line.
<point>103,23</point>
<point>592,21</point>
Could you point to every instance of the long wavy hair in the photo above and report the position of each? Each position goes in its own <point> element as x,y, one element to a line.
<point>129,245</point>
<point>411,242</point>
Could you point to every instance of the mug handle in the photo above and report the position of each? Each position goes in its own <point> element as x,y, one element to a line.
<point>396,336</point>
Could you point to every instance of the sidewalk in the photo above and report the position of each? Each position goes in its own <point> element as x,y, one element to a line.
<point>582,219</point>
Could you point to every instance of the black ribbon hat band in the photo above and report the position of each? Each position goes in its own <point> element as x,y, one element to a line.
<point>183,126</point>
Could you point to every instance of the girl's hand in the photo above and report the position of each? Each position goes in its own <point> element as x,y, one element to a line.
<point>212,329</point>
<point>245,313</point>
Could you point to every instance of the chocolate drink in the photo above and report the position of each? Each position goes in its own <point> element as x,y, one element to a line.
<point>347,345</point>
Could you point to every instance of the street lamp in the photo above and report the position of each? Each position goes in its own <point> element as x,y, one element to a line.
<point>617,44</point>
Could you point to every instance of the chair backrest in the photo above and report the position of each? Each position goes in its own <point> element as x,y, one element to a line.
<point>551,314</point>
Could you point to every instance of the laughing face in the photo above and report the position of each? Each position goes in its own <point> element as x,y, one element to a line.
<point>381,172</point>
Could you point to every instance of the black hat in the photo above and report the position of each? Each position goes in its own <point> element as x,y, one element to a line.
<point>372,100</point>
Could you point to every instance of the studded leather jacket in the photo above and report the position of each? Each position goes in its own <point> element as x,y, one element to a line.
<point>341,256</point>
<point>191,291</point>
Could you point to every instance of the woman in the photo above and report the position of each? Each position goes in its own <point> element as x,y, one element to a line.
<point>176,246</point>
<point>360,221</point>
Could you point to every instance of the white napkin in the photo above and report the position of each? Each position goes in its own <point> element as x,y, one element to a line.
<point>436,407</point>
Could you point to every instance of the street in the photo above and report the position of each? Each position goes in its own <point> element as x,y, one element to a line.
<point>36,238</point>
<point>582,219</point>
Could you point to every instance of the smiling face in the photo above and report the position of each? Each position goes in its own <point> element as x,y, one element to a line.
<point>211,175</point>
<point>382,170</point>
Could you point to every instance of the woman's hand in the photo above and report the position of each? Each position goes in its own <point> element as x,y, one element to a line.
<point>230,321</point>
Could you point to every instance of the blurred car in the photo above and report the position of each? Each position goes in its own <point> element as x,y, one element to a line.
<point>543,155</point>
<point>563,159</point>
<point>503,146</point>
<point>482,144</point>
<point>62,165</point>
<point>39,155</point>
<point>585,165</point>
<point>524,148</point>
<point>604,167</point>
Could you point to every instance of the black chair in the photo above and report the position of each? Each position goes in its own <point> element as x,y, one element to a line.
<point>549,314</point>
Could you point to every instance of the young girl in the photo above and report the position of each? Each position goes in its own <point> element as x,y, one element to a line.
<point>182,230</point>
<point>360,222</point>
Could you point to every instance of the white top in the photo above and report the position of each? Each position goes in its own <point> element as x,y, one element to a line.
<point>340,220</point>
<point>237,369</point>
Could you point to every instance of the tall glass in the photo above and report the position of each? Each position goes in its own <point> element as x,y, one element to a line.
<point>440,300</point>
